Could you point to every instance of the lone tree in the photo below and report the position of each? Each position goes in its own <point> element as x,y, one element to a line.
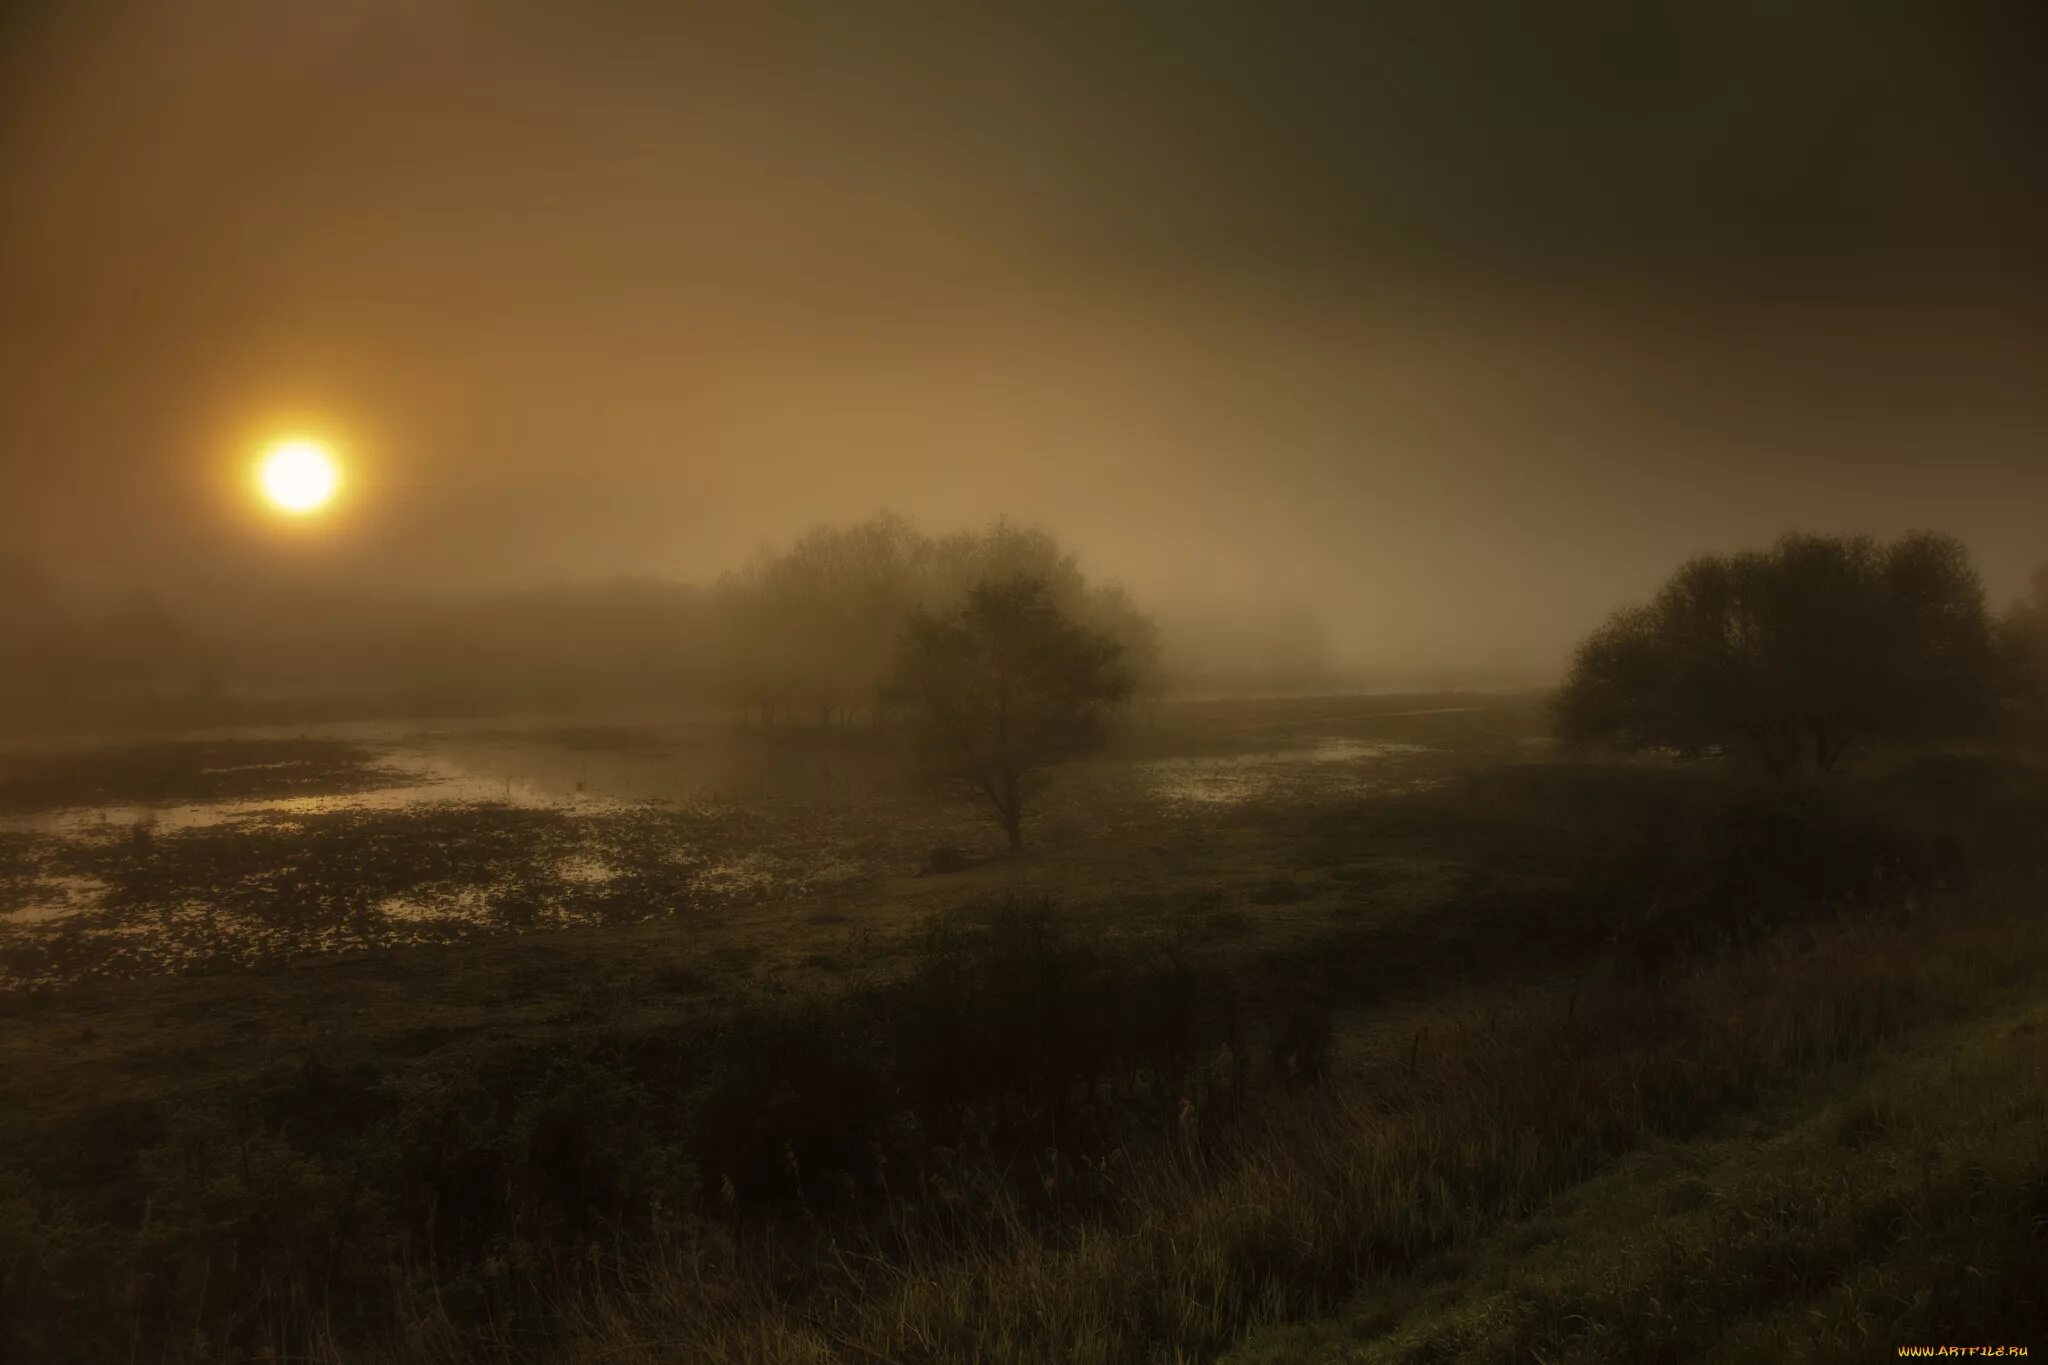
<point>1003,688</point>
<point>1806,650</point>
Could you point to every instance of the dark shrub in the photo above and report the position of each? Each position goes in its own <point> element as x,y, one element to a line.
<point>790,1091</point>
<point>945,861</point>
<point>1302,1049</point>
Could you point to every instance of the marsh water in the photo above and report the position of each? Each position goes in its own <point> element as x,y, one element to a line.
<point>244,848</point>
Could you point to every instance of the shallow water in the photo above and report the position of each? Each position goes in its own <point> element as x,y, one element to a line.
<point>450,835</point>
<point>1324,767</point>
<point>466,835</point>
<point>58,897</point>
<point>434,779</point>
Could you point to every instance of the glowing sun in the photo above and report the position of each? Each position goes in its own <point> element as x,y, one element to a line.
<point>298,475</point>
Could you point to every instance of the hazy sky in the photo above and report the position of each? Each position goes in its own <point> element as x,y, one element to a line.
<point>1462,322</point>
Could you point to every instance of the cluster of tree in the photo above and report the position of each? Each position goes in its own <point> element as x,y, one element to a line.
<point>991,650</point>
<point>803,634</point>
<point>1801,653</point>
<point>812,630</point>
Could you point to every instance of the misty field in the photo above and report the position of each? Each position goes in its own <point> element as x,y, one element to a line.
<point>1323,1029</point>
<point>260,850</point>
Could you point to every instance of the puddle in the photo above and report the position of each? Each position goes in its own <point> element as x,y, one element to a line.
<point>1232,778</point>
<point>750,872</point>
<point>146,862</point>
<point>582,870</point>
<point>467,905</point>
<point>57,898</point>
<point>451,849</point>
<point>436,781</point>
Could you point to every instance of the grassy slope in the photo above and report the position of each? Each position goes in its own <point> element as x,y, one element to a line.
<point>1394,1177</point>
<point>1905,1203</point>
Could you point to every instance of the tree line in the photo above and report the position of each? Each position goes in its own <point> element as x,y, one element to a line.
<point>999,657</point>
<point>811,631</point>
<point>990,651</point>
<point>1813,651</point>
<point>800,635</point>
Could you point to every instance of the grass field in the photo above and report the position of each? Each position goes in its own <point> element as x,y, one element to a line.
<point>1321,1029</point>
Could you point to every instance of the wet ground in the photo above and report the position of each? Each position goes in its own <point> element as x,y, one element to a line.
<point>1327,767</point>
<point>225,851</point>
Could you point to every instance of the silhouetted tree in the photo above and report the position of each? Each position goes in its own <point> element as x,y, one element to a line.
<point>1006,550</point>
<point>1004,687</point>
<point>1809,649</point>
<point>812,629</point>
<point>814,626</point>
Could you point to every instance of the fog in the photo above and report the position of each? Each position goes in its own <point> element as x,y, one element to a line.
<point>1442,339</point>
<point>1029,680</point>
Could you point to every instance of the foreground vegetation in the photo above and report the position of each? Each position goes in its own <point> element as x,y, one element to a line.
<point>1898,1203</point>
<point>1030,1128</point>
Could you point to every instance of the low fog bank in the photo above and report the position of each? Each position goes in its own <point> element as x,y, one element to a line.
<point>796,635</point>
